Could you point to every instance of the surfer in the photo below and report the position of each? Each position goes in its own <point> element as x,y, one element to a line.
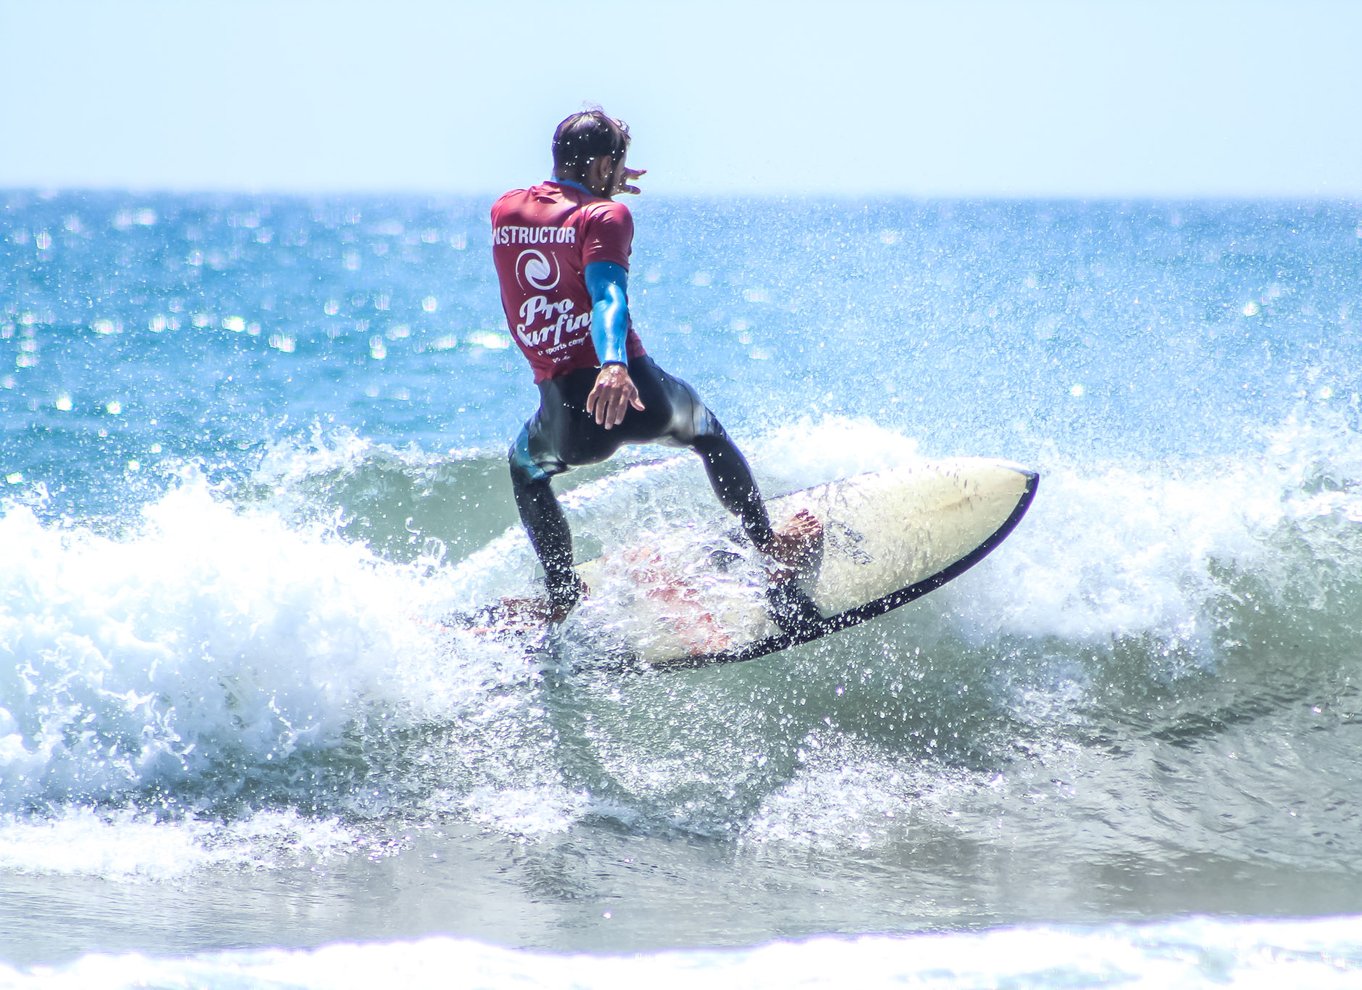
<point>561,250</point>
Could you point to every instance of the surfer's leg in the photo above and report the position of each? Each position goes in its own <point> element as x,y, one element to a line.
<point>797,543</point>
<point>692,424</point>
<point>731,478</point>
<point>543,518</point>
<point>560,435</point>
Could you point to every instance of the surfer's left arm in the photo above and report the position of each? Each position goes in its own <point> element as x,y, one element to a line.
<point>614,392</point>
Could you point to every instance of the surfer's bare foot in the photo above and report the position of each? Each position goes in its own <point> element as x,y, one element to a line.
<point>798,543</point>
<point>551,610</point>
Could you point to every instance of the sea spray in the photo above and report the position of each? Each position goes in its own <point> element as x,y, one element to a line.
<point>206,638</point>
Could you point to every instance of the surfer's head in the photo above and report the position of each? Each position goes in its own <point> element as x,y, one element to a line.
<point>582,140</point>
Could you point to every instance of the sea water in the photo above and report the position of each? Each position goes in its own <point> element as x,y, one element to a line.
<point>252,452</point>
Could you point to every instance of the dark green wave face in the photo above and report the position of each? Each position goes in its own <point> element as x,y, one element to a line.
<point>252,453</point>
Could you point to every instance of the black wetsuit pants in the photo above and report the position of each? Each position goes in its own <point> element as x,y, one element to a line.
<point>561,435</point>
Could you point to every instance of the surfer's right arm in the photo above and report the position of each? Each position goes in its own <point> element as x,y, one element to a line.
<point>614,392</point>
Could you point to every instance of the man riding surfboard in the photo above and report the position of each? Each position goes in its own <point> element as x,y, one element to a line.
<point>561,250</point>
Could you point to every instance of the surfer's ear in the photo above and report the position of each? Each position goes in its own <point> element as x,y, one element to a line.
<point>600,172</point>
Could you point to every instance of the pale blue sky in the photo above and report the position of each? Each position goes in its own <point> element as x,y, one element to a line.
<point>975,97</point>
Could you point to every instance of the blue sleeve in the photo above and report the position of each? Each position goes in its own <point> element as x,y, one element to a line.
<point>608,284</point>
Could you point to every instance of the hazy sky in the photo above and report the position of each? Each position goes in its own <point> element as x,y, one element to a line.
<point>971,97</point>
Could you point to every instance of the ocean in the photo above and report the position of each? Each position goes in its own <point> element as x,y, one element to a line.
<point>252,451</point>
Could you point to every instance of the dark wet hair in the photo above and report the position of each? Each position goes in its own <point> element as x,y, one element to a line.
<point>585,136</point>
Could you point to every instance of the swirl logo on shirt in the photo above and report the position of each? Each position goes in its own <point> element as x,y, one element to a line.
<point>536,268</point>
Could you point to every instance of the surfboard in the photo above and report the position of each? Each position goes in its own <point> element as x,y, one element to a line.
<point>708,598</point>
<point>889,537</point>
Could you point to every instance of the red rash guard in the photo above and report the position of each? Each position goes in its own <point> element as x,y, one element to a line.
<point>542,240</point>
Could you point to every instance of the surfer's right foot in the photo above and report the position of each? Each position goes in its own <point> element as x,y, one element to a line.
<point>798,543</point>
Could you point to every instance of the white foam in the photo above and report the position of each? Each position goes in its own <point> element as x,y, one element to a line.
<point>203,634</point>
<point>1122,551</point>
<point>814,451</point>
<point>1113,553</point>
<point>851,795</point>
<point>127,845</point>
<point>527,811</point>
<point>1191,954</point>
<point>287,463</point>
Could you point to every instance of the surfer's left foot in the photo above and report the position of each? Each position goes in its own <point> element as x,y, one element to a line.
<point>798,544</point>
<point>564,596</point>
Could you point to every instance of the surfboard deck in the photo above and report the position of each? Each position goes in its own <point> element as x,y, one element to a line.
<point>889,537</point>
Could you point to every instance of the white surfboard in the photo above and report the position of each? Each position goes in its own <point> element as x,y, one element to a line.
<point>889,538</point>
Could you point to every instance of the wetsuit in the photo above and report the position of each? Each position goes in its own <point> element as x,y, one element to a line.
<point>562,258</point>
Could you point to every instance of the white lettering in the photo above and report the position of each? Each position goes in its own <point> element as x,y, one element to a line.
<point>513,234</point>
<point>557,317</point>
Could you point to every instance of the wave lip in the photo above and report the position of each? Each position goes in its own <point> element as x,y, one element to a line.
<point>202,641</point>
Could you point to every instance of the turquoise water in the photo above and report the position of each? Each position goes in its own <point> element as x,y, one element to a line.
<point>252,450</point>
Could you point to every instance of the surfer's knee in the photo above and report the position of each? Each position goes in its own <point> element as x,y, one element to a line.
<point>692,418</point>
<point>525,470</point>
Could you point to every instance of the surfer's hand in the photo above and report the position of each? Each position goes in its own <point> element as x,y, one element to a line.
<point>628,175</point>
<point>612,396</point>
